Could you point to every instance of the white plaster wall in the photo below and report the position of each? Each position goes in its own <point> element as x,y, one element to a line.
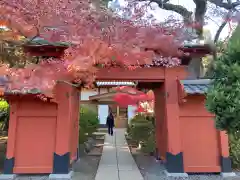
<point>103,90</point>
<point>102,113</point>
<point>102,109</point>
<point>131,112</point>
<point>86,93</point>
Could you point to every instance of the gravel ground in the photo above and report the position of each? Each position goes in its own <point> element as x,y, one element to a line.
<point>84,169</point>
<point>152,170</point>
<point>30,177</point>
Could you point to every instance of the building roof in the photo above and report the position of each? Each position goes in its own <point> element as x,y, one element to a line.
<point>198,86</point>
<point>33,91</point>
<point>38,41</point>
<point>115,83</point>
<point>108,97</point>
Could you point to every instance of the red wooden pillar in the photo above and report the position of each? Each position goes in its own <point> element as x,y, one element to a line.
<point>75,125</point>
<point>9,160</point>
<point>62,156</point>
<point>77,122</point>
<point>174,155</point>
<point>224,152</point>
<point>159,109</point>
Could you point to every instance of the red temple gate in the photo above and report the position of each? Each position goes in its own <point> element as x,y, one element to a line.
<point>186,137</point>
<point>185,132</point>
<point>182,128</point>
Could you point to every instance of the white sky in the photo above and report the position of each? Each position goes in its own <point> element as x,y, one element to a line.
<point>212,26</point>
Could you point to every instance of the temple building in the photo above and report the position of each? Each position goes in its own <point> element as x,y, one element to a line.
<point>105,92</point>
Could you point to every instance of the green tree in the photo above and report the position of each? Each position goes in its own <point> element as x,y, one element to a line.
<point>223,98</point>
<point>11,50</point>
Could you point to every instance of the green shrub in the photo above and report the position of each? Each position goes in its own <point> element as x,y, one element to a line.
<point>151,118</point>
<point>142,131</point>
<point>150,144</point>
<point>138,119</point>
<point>3,105</point>
<point>4,114</point>
<point>234,144</point>
<point>223,95</point>
<point>82,136</point>
<point>88,123</point>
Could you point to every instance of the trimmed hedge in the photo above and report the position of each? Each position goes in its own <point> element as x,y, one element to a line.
<point>141,130</point>
<point>88,123</point>
<point>150,144</point>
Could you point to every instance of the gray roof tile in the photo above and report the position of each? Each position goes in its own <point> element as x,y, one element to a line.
<point>115,83</point>
<point>198,86</point>
<point>23,91</point>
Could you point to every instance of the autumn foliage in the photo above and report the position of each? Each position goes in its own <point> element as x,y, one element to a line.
<point>98,38</point>
<point>130,96</point>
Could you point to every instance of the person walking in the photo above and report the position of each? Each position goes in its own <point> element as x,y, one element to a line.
<point>110,123</point>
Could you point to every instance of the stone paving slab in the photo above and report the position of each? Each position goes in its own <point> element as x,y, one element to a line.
<point>127,168</point>
<point>117,162</point>
<point>130,175</point>
<point>105,173</point>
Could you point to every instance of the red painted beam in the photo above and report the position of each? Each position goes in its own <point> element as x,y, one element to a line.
<point>140,74</point>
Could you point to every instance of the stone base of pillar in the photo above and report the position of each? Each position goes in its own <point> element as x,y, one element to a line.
<point>176,175</point>
<point>8,176</point>
<point>229,174</point>
<point>68,176</point>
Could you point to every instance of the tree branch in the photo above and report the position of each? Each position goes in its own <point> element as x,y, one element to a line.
<point>200,10</point>
<point>175,8</point>
<point>217,35</point>
<point>228,6</point>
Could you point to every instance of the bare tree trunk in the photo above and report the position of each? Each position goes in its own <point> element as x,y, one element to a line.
<point>195,69</point>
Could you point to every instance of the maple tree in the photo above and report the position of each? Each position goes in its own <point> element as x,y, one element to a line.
<point>96,35</point>
<point>130,96</point>
<point>204,10</point>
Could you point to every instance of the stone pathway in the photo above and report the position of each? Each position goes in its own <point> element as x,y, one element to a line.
<point>117,162</point>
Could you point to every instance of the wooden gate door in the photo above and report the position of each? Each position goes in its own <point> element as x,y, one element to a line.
<point>200,142</point>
